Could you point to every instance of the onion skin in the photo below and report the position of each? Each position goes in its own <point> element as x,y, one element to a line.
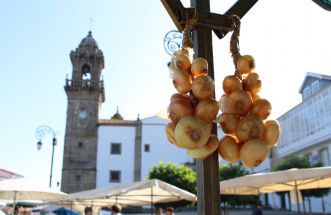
<point>170,132</point>
<point>228,123</point>
<point>182,61</point>
<point>207,109</point>
<point>252,83</point>
<point>203,152</point>
<point>180,108</point>
<point>253,152</point>
<point>203,87</point>
<point>232,83</point>
<point>271,132</point>
<point>192,132</point>
<point>250,127</point>
<point>229,149</point>
<point>182,81</point>
<point>240,102</point>
<point>246,64</point>
<point>199,67</point>
<point>262,107</point>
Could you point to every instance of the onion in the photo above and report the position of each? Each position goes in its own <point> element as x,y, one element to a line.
<point>228,122</point>
<point>170,132</point>
<point>203,152</point>
<point>252,83</point>
<point>182,61</point>
<point>262,107</point>
<point>254,97</point>
<point>271,132</point>
<point>240,102</point>
<point>229,149</point>
<point>180,108</point>
<point>176,96</point>
<point>224,104</point>
<point>207,109</point>
<point>253,152</point>
<point>203,87</point>
<point>192,132</point>
<point>199,67</point>
<point>250,127</point>
<point>182,81</point>
<point>246,64</point>
<point>231,83</point>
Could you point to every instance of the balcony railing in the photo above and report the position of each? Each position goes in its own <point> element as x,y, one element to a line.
<point>83,84</point>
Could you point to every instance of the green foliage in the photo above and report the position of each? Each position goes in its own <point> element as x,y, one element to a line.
<point>234,171</point>
<point>178,175</point>
<point>294,161</point>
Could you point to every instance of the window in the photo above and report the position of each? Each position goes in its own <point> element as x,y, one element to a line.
<point>86,72</point>
<point>78,178</point>
<point>115,176</point>
<point>147,148</point>
<point>323,156</point>
<point>306,92</point>
<point>315,87</point>
<point>80,145</point>
<point>115,148</point>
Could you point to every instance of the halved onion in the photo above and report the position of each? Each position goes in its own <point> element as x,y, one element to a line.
<point>207,109</point>
<point>228,122</point>
<point>203,152</point>
<point>231,83</point>
<point>253,152</point>
<point>203,87</point>
<point>262,107</point>
<point>229,148</point>
<point>271,132</point>
<point>250,127</point>
<point>192,132</point>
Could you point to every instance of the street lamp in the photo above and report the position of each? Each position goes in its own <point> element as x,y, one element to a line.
<point>40,134</point>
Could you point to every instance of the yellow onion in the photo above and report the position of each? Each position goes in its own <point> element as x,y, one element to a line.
<point>252,83</point>
<point>199,67</point>
<point>182,61</point>
<point>207,109</point>
<point>262,107</point>
<point>176,96</point>
<point>240,102</point>
<point>179,108</point>
<point>182,81</point>
<point>203,152</point>
<point>246,64</point>
<point>231,83</point>
<point>229,149</point>
<point>203,87</point>
<point>228,122</point>
<point>253,152</point>
<point>224,104</point>
<point>170,132</point>
<point>250,127</point>
<point>254,96</point>
<point>271,132</point>
<point>192,132</point>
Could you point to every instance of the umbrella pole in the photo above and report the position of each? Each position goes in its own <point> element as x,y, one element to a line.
<point>152,205</point>
<point>297,196</point>
<point>14,204</point>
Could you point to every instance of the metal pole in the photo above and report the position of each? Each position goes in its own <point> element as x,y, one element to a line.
<point>208,169</point>
<point>297,196</point>
<point>51,175</point>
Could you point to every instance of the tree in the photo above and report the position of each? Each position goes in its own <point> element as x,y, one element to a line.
<point>178,175</point>
<point>234,171</point>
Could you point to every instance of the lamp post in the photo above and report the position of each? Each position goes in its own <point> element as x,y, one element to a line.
<point>40,134</point>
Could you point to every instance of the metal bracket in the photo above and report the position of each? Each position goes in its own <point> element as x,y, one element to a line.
<point>220,24</point>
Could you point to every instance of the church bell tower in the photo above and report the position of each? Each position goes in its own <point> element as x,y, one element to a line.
<point>85,93</point>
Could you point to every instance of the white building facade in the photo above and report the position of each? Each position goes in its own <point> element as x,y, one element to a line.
<point>306,131</point>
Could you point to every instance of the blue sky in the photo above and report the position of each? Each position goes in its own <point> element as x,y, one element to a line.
<point>37,37</point>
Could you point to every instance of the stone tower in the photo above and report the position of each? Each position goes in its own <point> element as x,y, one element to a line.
<point>85,93</point>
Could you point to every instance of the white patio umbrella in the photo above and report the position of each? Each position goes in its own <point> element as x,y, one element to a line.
<point>22,189</point>
<point>135,194</point>
<point>287,180</point>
